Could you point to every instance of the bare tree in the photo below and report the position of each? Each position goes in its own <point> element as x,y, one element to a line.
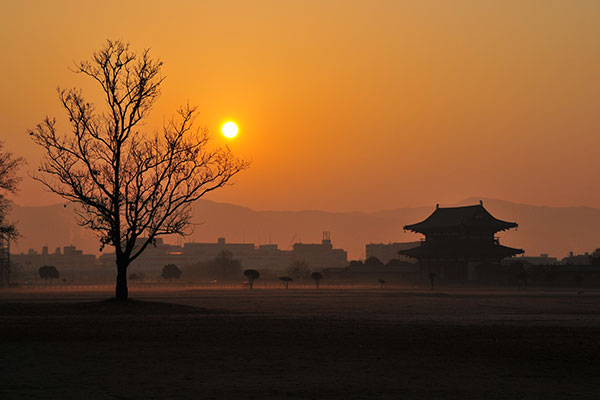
<point>128,186</point>
<point>299,270</point>
<point>9,166</point>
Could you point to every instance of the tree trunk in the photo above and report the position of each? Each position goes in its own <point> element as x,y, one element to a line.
<point>121,292</point>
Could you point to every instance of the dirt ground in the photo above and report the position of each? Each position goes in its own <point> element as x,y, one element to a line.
<point>300,344</point>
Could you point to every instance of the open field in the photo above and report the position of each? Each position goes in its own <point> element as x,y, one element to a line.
<point>353,343</point>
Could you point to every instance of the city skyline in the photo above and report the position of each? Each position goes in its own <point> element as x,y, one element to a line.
<point>345,108</point>
<point>542,230</point>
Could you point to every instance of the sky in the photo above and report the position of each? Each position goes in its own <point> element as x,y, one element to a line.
<point>342,105</point>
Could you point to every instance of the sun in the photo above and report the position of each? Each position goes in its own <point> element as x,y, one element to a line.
<point>229,129</point>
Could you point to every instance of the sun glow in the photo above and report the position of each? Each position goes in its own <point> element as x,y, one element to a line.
<point>229,129</point>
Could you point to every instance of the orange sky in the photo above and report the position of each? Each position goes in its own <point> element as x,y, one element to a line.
<point>344,105</point>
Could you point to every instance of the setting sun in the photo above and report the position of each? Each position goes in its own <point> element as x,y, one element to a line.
<point>229,129</point>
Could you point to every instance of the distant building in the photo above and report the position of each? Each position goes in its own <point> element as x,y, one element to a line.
<point>578,259</point>
<point>386,252</point>
<point>152,259</point>
<point>542,259</point>
<point>267,256</point>
<point>321,255</point>
<point>262,257</point>
<point>459,243</point>
<point>69,261</point>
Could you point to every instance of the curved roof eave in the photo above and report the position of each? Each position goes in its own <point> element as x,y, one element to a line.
<point>452,217</point>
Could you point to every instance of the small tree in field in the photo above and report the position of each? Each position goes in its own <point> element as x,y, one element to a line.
<point>251,275</point>
<point>381,283</point>
<point>48,272</point>
<point>316,276</point>
<point>127,185</point>
<point>286,281</point>
<point>171,271</point>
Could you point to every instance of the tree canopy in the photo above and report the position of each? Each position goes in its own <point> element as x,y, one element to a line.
<point>48,272</point>
<point>286,281</point>
<point>171,271</point>
<point>251,275</point>
<point>373,262</point>
<point>316,276</point>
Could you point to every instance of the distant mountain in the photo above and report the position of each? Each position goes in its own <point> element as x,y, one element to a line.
<point>553,230</point>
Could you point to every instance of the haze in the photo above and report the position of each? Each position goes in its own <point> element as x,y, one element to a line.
<point>344,105</point>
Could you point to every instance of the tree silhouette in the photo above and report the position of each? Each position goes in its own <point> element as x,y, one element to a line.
<point>299,270</point>
<point>129,186</point>
<point>9,166</point>
<point>251,275</point>
<point>221,269</point>
<point>170,271</point>
<point>224,267</point>
<point>394,262</point>
<point>316,276</point>
<point>373,262</point>
<point>381,283</point>
<point>286,281</point>
<point>596,257</point>
<point>48,272</point>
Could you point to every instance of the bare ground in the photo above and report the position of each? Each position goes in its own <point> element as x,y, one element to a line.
<point>300,344</point>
